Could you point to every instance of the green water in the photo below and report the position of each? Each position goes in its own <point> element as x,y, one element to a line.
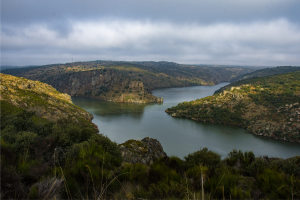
<point>121,122</point>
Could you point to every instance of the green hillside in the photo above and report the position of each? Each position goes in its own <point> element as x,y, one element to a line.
<point>267,106</point>
<point>265,72</point>
<point>42,137</point>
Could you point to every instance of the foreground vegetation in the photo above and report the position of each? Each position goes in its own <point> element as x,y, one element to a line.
<point>43,160</point>
<point>267,106</point>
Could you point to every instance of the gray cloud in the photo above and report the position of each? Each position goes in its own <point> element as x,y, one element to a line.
<point>217,32</point>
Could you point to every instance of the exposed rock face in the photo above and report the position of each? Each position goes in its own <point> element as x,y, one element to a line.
<point>144,151</point>
<point>103,84</point>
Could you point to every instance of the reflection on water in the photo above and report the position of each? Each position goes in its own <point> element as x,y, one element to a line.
<point>104,108</point>
<point>121,122</point>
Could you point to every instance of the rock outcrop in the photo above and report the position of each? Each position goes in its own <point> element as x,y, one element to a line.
<point>102,84</point>
<point>144,151</point>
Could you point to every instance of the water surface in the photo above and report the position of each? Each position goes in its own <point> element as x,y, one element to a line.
<point>121,122</point>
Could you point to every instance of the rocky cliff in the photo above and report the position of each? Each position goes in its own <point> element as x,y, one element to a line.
<point>103,84</point>
<point>144,151</point>
<point>266,106</point>
<point>112,81</point>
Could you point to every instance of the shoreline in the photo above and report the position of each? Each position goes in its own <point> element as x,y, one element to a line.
<point>240,126</point>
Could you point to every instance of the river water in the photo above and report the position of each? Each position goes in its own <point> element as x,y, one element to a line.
<point>121,122</point>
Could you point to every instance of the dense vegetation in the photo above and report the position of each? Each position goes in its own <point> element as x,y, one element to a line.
<point>265,72</point>
<point>69,159</point>
<point>42,159</point>
<point>37,154</point>
<point>266,106</point>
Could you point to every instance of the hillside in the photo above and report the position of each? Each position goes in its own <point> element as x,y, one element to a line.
<point>265,72</point>
<point>42,134</point>
<point>267,106</point>
<point>40,98</point>
<point>120,81</point>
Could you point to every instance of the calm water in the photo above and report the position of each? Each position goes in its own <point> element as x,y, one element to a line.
<point>121,122</point>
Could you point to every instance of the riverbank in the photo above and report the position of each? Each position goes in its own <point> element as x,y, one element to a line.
<point>263,106</point>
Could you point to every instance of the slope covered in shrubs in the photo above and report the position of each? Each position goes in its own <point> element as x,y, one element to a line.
<point>43,139</point>
<point>265,72</point>
<point>267,106</point>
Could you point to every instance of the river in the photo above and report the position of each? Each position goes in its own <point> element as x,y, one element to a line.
<point>121,122</point>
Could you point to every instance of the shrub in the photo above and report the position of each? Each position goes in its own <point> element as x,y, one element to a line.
<point>245,158</point>
<point>108,146</point>
<point>256,167</point>
<point>25,140</point>
<point>72,134</point>
<point>139,172</point>
<point>176,163</point>
<point>87,163</point>
<point>159,172</point>
<point>269,183</point>
<point>167,189</point>
<point>228,184</point>
<point>203,156</point>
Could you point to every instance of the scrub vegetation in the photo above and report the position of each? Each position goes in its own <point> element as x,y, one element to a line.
<point>63,160</point>
<point>267,106</point>
<point>266,72</point>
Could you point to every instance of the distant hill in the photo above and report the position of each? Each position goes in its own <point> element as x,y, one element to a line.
<point>267,106</point>
<point>266,72</point>
<point>112,80</point>
<point>4,67</point>
<point>259,73</point>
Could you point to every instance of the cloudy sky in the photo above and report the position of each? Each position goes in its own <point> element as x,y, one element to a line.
<point>250,32</point>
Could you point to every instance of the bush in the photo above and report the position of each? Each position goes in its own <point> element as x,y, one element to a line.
<point>72,134</point>
<point>108,146</point>
<point>228,184</point>
<point>24,141</point>
<point>204,156</point>
<point>87,163</point>
<point>269,183</point>
<point>167,189</point>
<point>235,156</point>
<point>256,167</point>
<point>160,172</point>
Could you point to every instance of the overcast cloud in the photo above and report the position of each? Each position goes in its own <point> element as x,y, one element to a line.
<point>35,32</point>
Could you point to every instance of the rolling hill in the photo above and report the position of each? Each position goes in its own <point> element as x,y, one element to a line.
<point>120,81</point>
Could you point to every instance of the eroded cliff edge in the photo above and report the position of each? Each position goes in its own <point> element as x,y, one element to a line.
<point>102,84</point>
<point>125,81</point>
